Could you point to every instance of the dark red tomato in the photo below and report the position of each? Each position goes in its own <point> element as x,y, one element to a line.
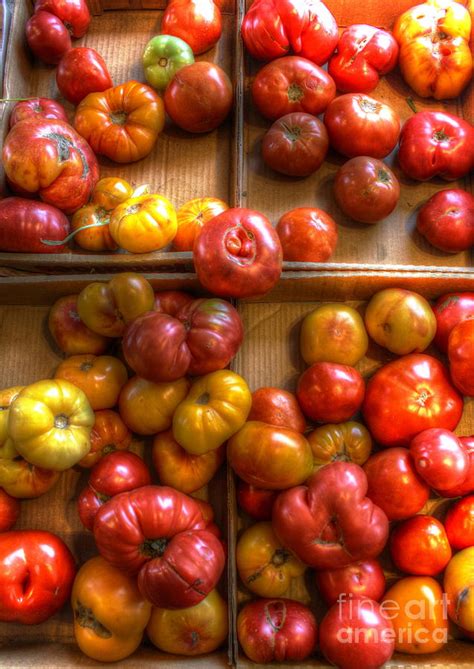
<point>420,546</point>
<point>43,107</point>
<point>366,189</point>
<point>24,224</point>
<point>73,13</point>
<point>82,71</point>
<point>359,125</point>
<point>459,523</point>
<point>197,22</point>
<point>9,510</point>
<point>307,234</point>
<point>36,575</point>
<point>447,220</point>
<point>277,407</point>
<point>171,301</point>
<point>461,356</point>
<point>358,579</point>
<point>295,145</point>
<point>407,396</point>
<point>292,84</point>
<point>450,310</point>
<point>439,458</point>
<point>363,55</point>
<point>467,486</point>
<point>257,502</point>
<point>47,37</point>
<point>238,254</point>
<point>199,97</point>
<point>329,392</point>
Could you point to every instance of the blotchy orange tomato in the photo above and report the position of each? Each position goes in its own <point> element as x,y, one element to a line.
<point>143,224</point>
<point>108,434</point>
<point>191,218</point>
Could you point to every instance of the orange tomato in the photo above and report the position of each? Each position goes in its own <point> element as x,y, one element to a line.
<point>21,479</point>
<point>70,333</point>
<point>143,224</point>
<point>182,470</point>
<point>100,377</point>
<point>459,588</point>
<point>147,408</point>
<point>191,218</point>
<point>109,192</point>
<point>349,442</point>
<point>96,238</point>
<point>108,434</point>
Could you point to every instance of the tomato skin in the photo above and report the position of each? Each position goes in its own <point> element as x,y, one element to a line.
<point>197,22</point>
<point>42,561</point>
<point>292,84</point>
<point>343,442</point>
<point>359,579</point>
<point>436,144</point>
<point>47,37</point>
<point>37,107</point>
<point>420,546</point>
<point>451,309</point>
<point>256,502</point>
<point>82,71</point>
<point>459,588</point>
<point>359,125</point>
<point>199,98</point>
<point>108,435</point>
<point>439,458</point>
<point>295,145</point>
<point>461,356</point>
<point>467,486</point>
<point>143,224</point>
<point>277,407</point>
<point>24,224</point>
<point>9,511</point>
<point>459,523</point>
<point>307,234</point>
<point>73,13</point>
<point>238,254</point>
<point>446,220</point>
<point>192,216</point>
<point>407,396</point>
<point>171,301</point>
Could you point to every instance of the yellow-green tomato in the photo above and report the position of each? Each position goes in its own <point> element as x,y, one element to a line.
<point>164,55</point>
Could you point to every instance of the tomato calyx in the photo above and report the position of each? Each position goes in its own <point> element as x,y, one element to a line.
<point>85,618</point>
<point>163,62</point>
<point>86,366</point>
<point>63,145</point>
<point>194,638</point>
<point>109,448</point>
<point>240,245</point>
<point>118,117</point>
<point>203,399</point>
<point>464,594</point>
<point>295,93</point>
<point>368,106</point>
<point>275,614</point>
<point>61,421</point>
<point>154,547</point>
<point>383,176</point>
<point>360,46</point>
<point>292,133</point>
<point>441,136</point>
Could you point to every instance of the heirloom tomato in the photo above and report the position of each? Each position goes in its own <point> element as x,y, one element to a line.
<point>238,253</point>
<point>26,226</point>
<point>256,502</point>
<point>123,122</point>
<point>7,396</point>
<point>307,234</point>
<point>277,407</point>
<point>358,579</point>
<point>192,216</point>
<point>450,310</point>
<point>49,158</point>
<point>36,574</point>
<point>37,107</point>
<point>109,192</point>
<point>163,56</point>
<point>420,546</point>
<point>295,145</point>
<point>461,356</point>
<point>110,614</point>
<point>171,301</point>
<point>47,37</point>
<point>467,486</point>
<point>407,396</point>
<point>446,220</point>
<point>439,458</point>
<point>73,13</point>
<point>292,84</point>
<point>96,233</point>
<point>82,71</point>
<point>359,125</point>
<point>109,434</point>
<point>9,511</point>
<point>143,224</point>
<point>346,442</point>
<point>197,22</point>
<point>70,334</point>
<point>459,523</point>
<point>459,588</point>
<point>215,408</point>
<point>25,481</point>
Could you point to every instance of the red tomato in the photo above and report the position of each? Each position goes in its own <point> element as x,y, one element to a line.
<point>467,486</point>
<point>9,510</point>
<point>36,575</point>
<point>171,301</point>
<point>277,630</point>
<point>70,334</point>
<point>82,71</point>
<point>436,144</point>
<point>256,502</point>
<point>292,84</point>
<point>439,458</point>
<point>329,392</point>
<point>420,546</point>
<point>295,145</point>
<point>197,22</point>
<point>407,396</point>
<point>450,310</point>
<point>447,220</point>
<point>34,107</point>
<point>366,189</point>
<point>307,234</point>
<point>25,224</point>
<point>459,523</point>
<point>461,356</point>
<point>47,37</point>
<point>73,13</point>
<point>363,55</point>
<point>199,97</point>
<point>277,407</point>
<point>359,125</point>
<point>358,579</point>
<point>238,254</point>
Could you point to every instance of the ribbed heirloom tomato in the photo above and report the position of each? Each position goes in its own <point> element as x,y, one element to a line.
<point>143,224</point>
<point>345,442</point>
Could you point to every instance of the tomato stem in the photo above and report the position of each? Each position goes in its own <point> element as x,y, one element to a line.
<point>59,242</point>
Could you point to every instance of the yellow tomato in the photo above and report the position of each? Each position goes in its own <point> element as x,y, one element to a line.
<point>216,408</point>
<point>459,588</point>
<point>191,218</point>
<point>349,442</point>
<point>7,395</point>
<point>143,224</point>
<point>110,192</point>
<point>50,423</point>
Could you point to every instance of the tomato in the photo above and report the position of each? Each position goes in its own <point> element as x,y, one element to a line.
<point>270,457</point>
<point>467,486</point>
<point>277,407</point>
<point>333,332</point>
<point>96,236</point>
<point>276,630</point>
<point>446,220</point>
<point>106,308</point>
<point>108,435</point>
<point>197,22</point>
<point>459,589</point>
<point>461,356</point>
<point>295,145</point>
<point>82,71</point>
<point>439,458</point>
<point>192,216</point>
<point>450,310</point>
<point>363,54</point>
<point>200,96</point>
<point>192,631</point>
<point>143,224</point>
<point>394,484</point>
<point>256,502</point>
<point>181,470</point>
<point>215,408</point>
<point>238,254</point>
<point>346,442</point>
<point>99,593</point>
<point>366,189</point>
<point>47,37</point>
<point>307,234</point>
<point>359,125</point>
<point>22,480</point>
<point>400,320</point>
<point>416,608</point>
<point>436,143</point>
<point>163,56</point>
<point>459,523</point>
<point>7,396</point>
<point>292,84</point>
<point>9,511</point>
<point>69,332</point>
<point>26,224</point>
<point>37,108</point>
<point>171,301</point>
<point>73,13</point>
<point>49,158</point>
<point>407,396</point>
<point>36,574</point>
<point>109,192</point>
<point>330,393</point>
<point>420,546</point>
<point>359,579</point>
<point>99,377</point>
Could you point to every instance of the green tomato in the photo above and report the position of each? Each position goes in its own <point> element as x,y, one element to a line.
<point>164,55</point>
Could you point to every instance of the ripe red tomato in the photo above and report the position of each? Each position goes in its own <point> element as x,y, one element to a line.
<point>459,523</point>
<point>257,502</point>
<point>292,84</point>
<point>439,458</point>
<point>358,579</point>
<point>73,13</point>
<point>366,189</point>
<point>171,301</point>
<point>9,510</point>
<point>82,71</point>
<point>47,37</point>
<point>420,546</point>
<point>307,234</point>
<point>25,224</point>
<point>467,486</point>
<point>329,392</point>
<point>277,407</point>
<point>43,107</point>
<point>238,254</point>
<point>450,310</point>
<point>447,220</point>
<point>197,22</point>
<point>461,356</point>
<point>199,97</point>
<point>70,334</point>
<point>359,125</point>
<point>295,145</point>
